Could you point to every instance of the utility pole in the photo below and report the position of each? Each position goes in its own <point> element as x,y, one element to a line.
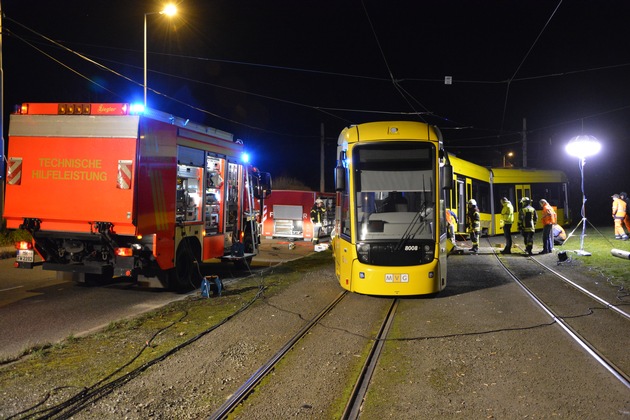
<point>322,185</point>
<point>524,134</point>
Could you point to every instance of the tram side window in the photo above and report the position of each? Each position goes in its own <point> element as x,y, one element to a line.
<point>344,206</point>
<point>481,193</point>
<point>504,190</point>
<point>552,192</point>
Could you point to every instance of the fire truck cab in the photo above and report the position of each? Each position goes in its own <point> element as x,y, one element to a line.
<point>108,190</point>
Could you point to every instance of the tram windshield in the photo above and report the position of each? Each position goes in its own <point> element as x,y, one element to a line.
<point>395,191</point>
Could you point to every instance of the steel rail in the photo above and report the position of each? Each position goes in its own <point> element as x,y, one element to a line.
<point>245,389</point>
<point>353,407</point>
<point>586,292</point>
<point>617,373</point>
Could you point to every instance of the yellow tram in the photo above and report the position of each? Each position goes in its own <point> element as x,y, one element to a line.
<point>392,180</point>
<point>488,185</point>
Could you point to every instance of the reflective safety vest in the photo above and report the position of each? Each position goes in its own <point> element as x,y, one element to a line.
<point>317,214</point>
<point>527,219</point>
<point>474,220</point>
<point>548,215</point>
<point>451,219</point>
<point>507,213</point>
<point>618,208</point>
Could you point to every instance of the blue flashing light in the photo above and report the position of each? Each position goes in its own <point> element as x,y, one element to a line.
<point>361,275</point>
<point>136,109</point>
<point>245,157</point>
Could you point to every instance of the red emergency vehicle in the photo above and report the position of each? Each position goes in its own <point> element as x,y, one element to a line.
<point>107,190</point>
<point>286,214</point>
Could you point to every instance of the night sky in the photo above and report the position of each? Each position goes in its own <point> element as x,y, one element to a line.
<point>272,72</point>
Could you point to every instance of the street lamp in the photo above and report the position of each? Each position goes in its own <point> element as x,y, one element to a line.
<point>169,10</point>
<point>581,147</point>
<point>505,156</point>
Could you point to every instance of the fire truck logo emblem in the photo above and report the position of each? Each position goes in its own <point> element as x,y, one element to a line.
<point>14,171</point>
<point>124,174</point>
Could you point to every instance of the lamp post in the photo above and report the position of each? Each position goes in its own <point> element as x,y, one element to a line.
<point>583,146</point>
<point>505,156</point>
<point>169,10</point>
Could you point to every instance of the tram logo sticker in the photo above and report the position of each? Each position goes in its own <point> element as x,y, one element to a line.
<point>396,278</point>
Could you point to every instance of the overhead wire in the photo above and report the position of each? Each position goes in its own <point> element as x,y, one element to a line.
<point>330,111</point>
<point>128,79</point>
<point>404,94</point>
<point>509,82</point>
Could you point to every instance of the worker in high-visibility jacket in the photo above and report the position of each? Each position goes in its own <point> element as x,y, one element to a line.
<point>548,220</point>
<point>619,214</point>
<point>527,218</point>
<point>507,219</point>
<point>451,220</point>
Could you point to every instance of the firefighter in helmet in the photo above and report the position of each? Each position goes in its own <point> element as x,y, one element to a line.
<point>473,224</point>
<point>527,218</point>
<point>318,213</point>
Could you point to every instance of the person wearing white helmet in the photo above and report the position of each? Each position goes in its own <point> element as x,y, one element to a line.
<point>317,217</point>
<point>474,224</point>
<point>527,223</point>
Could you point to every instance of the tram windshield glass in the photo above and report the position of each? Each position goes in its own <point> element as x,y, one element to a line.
<point>395,191</point>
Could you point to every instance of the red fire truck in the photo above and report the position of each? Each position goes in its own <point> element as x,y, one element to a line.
<point>286,214</point>
<point>110,190</point>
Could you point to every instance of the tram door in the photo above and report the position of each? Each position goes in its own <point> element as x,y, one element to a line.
<point>461,203</point>
<point>522,191</point>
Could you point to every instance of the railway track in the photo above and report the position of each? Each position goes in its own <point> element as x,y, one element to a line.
<point>460,345</point>
<point>251,383</point>
<point>579,312</point>
<point>593,321</point>
<point>353,406</point>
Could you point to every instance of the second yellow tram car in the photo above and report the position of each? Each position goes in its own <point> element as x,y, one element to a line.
<point>488,185</point>
<point>391,232</point>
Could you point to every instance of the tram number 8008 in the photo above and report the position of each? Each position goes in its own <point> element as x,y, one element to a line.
<point>396,278</point>
<point>411,247</point>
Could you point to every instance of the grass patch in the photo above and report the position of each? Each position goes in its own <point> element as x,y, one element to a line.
<point>80,362</point>
<point>599,241</point>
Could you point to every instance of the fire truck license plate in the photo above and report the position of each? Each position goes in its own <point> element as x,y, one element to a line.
<point>25,255</point>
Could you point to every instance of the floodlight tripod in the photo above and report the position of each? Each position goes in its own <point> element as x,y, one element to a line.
<point>583,222</point>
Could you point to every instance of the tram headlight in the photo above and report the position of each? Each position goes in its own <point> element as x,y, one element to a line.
<point>363,252</point>
<point>428,253</point>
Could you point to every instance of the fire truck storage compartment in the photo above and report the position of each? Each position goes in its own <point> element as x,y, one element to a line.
<point>287,221</point>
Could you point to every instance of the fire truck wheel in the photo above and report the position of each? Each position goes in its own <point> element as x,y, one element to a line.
<point>186,269</point>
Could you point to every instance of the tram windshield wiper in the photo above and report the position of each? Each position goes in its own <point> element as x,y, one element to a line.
<point>417,225</point>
